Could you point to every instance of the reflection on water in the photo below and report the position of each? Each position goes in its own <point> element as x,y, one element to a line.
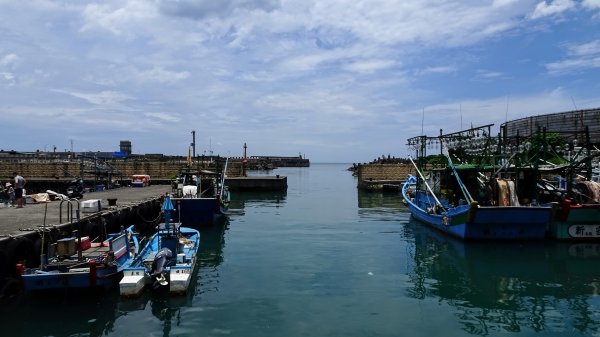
<point>59,314</point>
<point>166,312</point>
<point>210,256</point>
<point>509,287</point>
<point>379,205</point>
<point>239,201</point>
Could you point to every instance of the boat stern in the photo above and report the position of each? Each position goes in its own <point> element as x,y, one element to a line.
<point>133,282</point>
<point>180,277</point>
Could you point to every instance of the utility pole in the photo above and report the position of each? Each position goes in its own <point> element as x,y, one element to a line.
<point>193,143</point>
<point>244,161</point>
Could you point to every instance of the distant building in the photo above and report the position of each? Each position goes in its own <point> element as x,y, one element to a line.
<point>125,147</point>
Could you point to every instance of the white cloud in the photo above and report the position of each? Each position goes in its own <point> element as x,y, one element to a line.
<point>104,98</point>
<point>591,4</point>
<point>488,75</point>
<point>117,18</point>
<point>297,71</point>
<point>9,60</point>
<point>160,75</point>
<point>502,3</point>
<point>163,116</point>
<point>200,9</point>
<point>573,65</point>
<point>369,66</point>
<point>589,48</point>
<point>548,8</point>
<point>582,56</point>
<point>9,78</point>
<point>438,70</point>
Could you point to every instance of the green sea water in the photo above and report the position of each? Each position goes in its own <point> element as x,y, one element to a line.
<point>324,259</point>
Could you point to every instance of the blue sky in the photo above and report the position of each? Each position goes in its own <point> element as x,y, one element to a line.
<point>338,81</point>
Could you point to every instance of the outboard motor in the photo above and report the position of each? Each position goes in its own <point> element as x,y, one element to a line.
<point>162,259</point>
<point>75,189</point>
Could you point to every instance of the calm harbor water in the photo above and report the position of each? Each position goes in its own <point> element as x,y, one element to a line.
<point>323,259</point>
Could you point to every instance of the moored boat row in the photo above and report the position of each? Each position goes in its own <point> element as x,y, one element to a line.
<point>496,195</point>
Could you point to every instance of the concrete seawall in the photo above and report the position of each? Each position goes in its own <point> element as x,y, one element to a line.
<point>379,176</point>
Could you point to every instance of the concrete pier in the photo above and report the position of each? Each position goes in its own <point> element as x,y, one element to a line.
<point>257,183</point>
<point>17,221</point>
<point>22,230</point>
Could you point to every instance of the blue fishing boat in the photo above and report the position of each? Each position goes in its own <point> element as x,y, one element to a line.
<point>471,221</point>
<point>78,263</point>
<point>200,197</point>
<point>166,262</point>
<point>444,199</point>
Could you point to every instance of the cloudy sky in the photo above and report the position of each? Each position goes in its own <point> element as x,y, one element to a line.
<point>334,80</point>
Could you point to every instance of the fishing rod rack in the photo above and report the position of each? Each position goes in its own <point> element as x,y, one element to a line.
<point>473,141</point>
<point>477,144</point>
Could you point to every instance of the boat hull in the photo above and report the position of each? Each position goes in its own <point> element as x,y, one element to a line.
<point>196,212</point>
<point>133,282</point>
<point>92,270</point>
<point>77,278</point>
<point>474,222</point>
<point>180,277</point>
<point>576,223</point>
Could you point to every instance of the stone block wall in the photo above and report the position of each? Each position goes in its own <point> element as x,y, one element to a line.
<point>125,168</point>
<point>383,173</point>
<point>38,170</point>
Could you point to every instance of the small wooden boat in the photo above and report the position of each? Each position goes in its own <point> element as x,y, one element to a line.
<point>78,263</point>
<point>166,262</point>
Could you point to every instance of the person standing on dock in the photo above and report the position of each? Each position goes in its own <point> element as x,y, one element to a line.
<point>19,185</point>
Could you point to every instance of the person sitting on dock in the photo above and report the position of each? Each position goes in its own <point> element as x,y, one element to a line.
<point>10,191</point>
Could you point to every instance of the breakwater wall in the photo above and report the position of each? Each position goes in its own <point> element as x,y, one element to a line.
<point>378,176</point>
<point>125,168</point>
<point>31,166</point>
<point>274,161</point>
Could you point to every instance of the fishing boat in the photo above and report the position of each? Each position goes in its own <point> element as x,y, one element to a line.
<point>200,197</point>
<point>444,199</point>
<point>77,263</point>
<point>167,261</point>
<point>576,222</point>
<point>578,197</point>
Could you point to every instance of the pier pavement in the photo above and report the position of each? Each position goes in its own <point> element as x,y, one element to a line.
<point>17,221</point>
